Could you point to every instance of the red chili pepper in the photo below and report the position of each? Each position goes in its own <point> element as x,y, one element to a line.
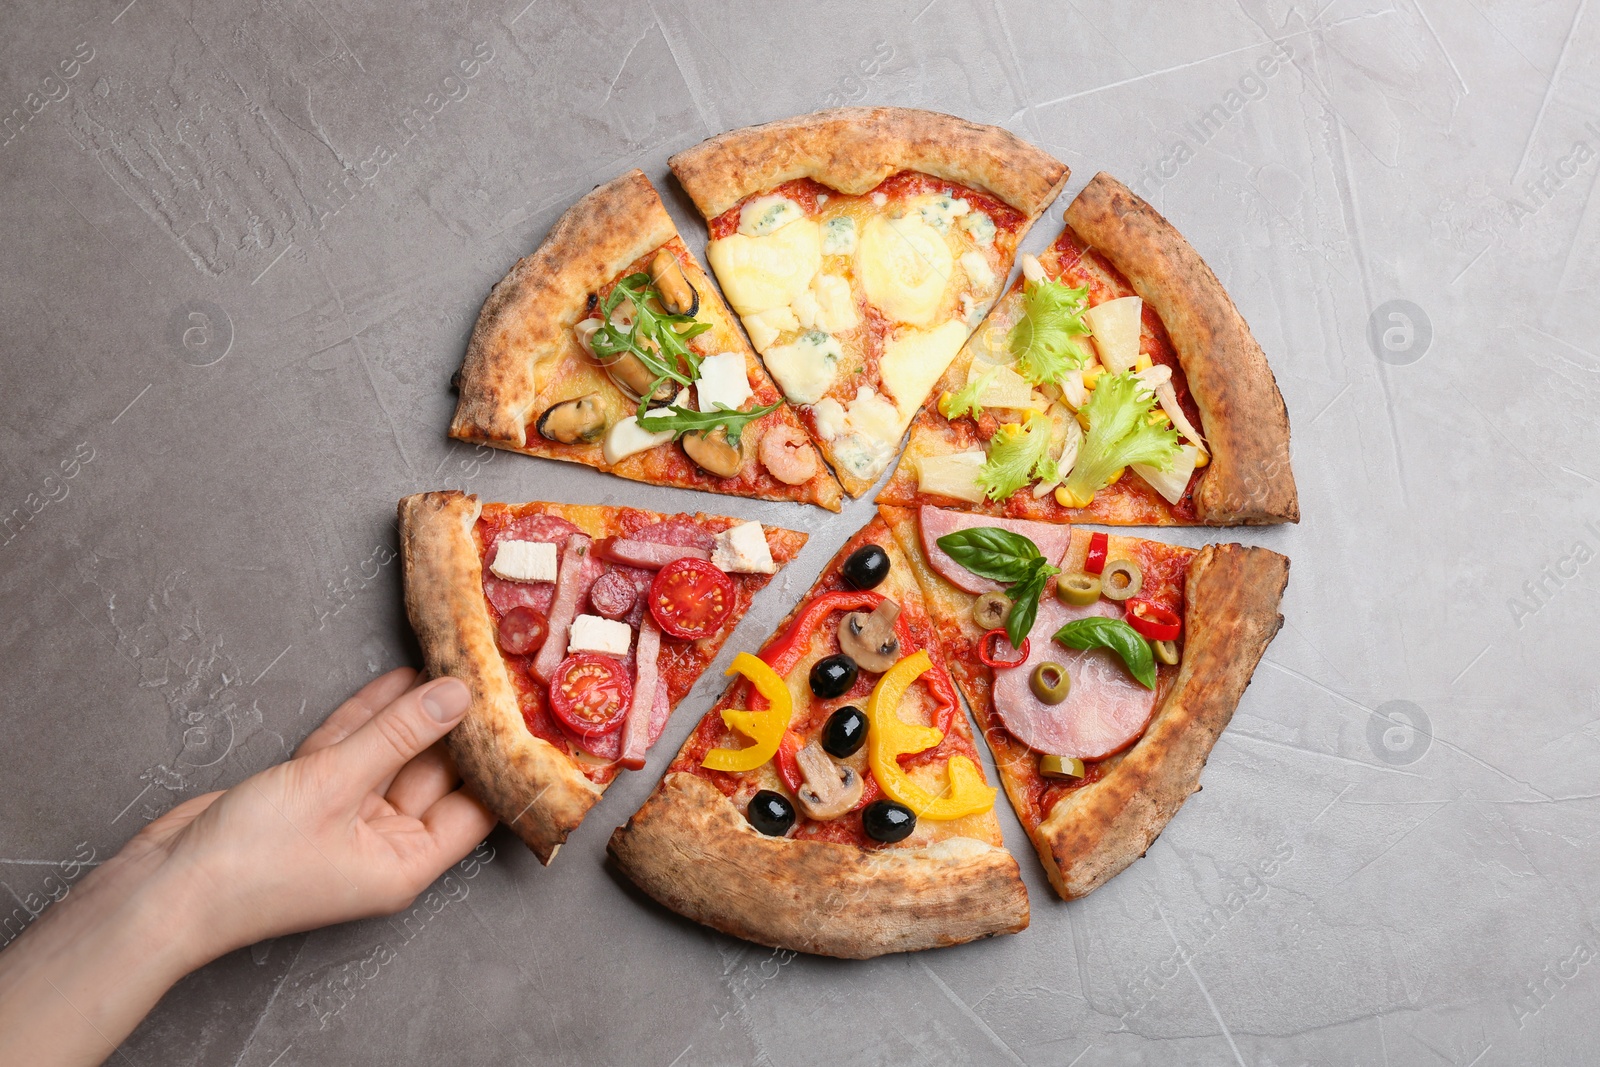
<point>1152,620</point>
<point>1095,562</point>
<point>989,658</point>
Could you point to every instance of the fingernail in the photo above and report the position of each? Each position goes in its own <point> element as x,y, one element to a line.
<point>447,701</point>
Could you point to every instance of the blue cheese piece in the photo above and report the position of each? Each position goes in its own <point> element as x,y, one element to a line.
<point>722,381</point>
<point>768,214</point>
<point>980,226</point>
<point>979,273</point>
<point>525,561</point>
<point>805,368</point>
<point>839,236</point>
<point>591,633</point>
<point>939,211</point>
<point>742,549</point>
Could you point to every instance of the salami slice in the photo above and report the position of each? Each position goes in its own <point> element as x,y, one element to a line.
<point>1052,539</point>
<point>612,594</point>
<point>505,594</point>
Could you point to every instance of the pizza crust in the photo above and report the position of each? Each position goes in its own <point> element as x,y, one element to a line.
<point>691,849</point>
<point>1246,425</point>
<point>528,783</point>
<point>1095,832</point>
<point>852,149</point>
<point>530,311</point>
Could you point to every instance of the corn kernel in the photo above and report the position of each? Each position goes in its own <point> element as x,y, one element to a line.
<point>1083,419</point>
<point>1202,459</point>
<point>1091,374</point>
<point>944,403</point>
<point>1157,418</point>
<point>1143,362</point>
<point>1066,499</point>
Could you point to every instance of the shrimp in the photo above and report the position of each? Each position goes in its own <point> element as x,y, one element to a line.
<point>786,452</point>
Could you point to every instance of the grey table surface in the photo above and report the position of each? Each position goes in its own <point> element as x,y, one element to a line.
<point>242,246</point>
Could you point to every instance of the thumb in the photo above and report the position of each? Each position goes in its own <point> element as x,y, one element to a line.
<point>401,731</point>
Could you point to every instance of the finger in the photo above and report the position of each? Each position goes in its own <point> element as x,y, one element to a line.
<point>374,753</point>
<point>456,822</point>
<point>423,781</point>
<point>354,713</point>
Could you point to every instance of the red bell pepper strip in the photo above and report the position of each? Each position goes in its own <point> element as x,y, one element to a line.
<point>788,765</point>
<point>988,657</point>
<point>1095,561</point>
<point>1152,620</point>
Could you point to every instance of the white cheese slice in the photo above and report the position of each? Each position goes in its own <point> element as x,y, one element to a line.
<point>839,236</point>
<point>979,273</point>
<point>722,381</point>
<point>758,273</point>
<point>742,549</point>
<point>913,360</point>
<point>939,211</point>
<point>768,214</point>
<point>904,266</point>
<point>980,226</point>
<point>765,326</point>
<point>591,633</point>
<point>1115,326</point>
<point>627,437</point>
<point>829,416</point>
<point>805,368</point>
<point>525,561</point>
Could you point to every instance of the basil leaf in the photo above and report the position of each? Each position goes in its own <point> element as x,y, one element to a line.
<point>1025,601</point>
<point>681,420</point>
<point>993,553</point>
<point>1097,631</point>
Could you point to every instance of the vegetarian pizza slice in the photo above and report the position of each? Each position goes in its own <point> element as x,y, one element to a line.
<point>832,801</point>
<point>860,246</point>
<point>608,346</point>
<point>578,628</point>
<point>1101,668</point>
<point>1114,383</point>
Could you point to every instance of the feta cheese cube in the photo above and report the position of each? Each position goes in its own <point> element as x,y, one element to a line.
<point>743,549</point>
<point>723,380</point>
<point>525,561</point>
<point>591,633</point>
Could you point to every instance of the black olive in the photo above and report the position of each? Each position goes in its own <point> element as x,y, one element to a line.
<point>886,821</point>
<point>771,813</point>
<point>832,675</point>
<point>844,732</point>
<point>866,567</point>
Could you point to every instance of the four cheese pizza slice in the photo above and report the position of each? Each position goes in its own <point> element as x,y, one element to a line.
<point>1103,701</point>
<point>608,346</point>
<point>1115,382</point>
<point>861,246</point>
<point>832,801</point>
<point>578,629</point>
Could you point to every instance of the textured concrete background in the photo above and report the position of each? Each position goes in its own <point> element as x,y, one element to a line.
<point>241,249</point>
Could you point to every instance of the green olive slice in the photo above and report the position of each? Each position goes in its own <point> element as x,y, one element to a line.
<point>1166,652</point>
<point>1060,767</point>
<point>1050,682</point>
<point>991,610</point>
<point>1121,579</point>
<point>1079,588</point>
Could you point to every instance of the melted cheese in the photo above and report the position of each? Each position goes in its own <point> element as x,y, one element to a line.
<point>979,273</point>
<point>872,432</point>
<point>761,273</point>
<point>828,305</point>
<point>768,214</point>
<point>805,368</point>
<point>765,326</point>
<point>904,266</point>
<point>939,211</point>
<point>914,360</point>
<point>829,416</point>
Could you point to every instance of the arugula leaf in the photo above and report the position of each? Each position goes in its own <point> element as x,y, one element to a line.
<point>681,420</point>
<point>656,336</point>
<point>1019,453</point>
<point>1044,341</point>
<point>1002,556</point>
<point>1120,434</point>
<point>1097,631</point>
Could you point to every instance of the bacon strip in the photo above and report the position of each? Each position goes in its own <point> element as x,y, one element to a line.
<point>636,730</point>
<point>573,579</point>
<point>652,555</point>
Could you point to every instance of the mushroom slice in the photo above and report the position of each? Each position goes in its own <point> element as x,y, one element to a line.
<point>581,419</point>
<point>677,295</point>
<point>830,788</point>
<point>870,640</point>
<point>713,453</point>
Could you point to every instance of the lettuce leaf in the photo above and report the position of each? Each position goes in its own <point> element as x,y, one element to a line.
<point>964,401</point>
<point>1120,433</point>
<point>1044,341</point>
<point>1019,453</point>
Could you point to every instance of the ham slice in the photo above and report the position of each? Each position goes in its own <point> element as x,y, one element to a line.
<point>651,555</point>
<point>1052,539</point>
<point>636,730</point>
<point>1106,710</point>
<point>577,571</point>
<point>609,746</point>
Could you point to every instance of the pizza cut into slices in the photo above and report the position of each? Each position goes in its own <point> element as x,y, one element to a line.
<point>578,628</point>
<point>860,247</point>
<point>609,346</point>
<point>1114,383</point>
<point>1102,713</point>
<point>832,801</point>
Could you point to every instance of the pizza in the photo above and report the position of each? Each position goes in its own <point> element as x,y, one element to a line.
<point>1115,383</point>
<point>832,800</point>
<point>860,247</point>
<point>577,628</point>
<point>608,346</point>
<point>1102,706</point>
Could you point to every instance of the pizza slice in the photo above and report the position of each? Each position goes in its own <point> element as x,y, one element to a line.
<point>608,346</point>
<point>1114,383</point>
<point>578,629</point>
<point>832,801</point>
<point>860,246</point>
<point>1102,713</point>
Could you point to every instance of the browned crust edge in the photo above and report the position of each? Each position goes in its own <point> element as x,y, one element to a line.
<point>1246,424</point>
<point>691,849</point>
<point>528,784</point>
<point>528,311</point>
<point>1232,615</point>
<point>852,149</point>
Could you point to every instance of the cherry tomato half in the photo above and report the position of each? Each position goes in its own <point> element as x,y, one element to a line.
<point>690,598</point>
<point>523,630</point>
<point>590,694</point>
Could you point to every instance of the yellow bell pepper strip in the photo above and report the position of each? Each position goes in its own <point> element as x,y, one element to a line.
<point>889,736</point>
<point>765,728</point>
